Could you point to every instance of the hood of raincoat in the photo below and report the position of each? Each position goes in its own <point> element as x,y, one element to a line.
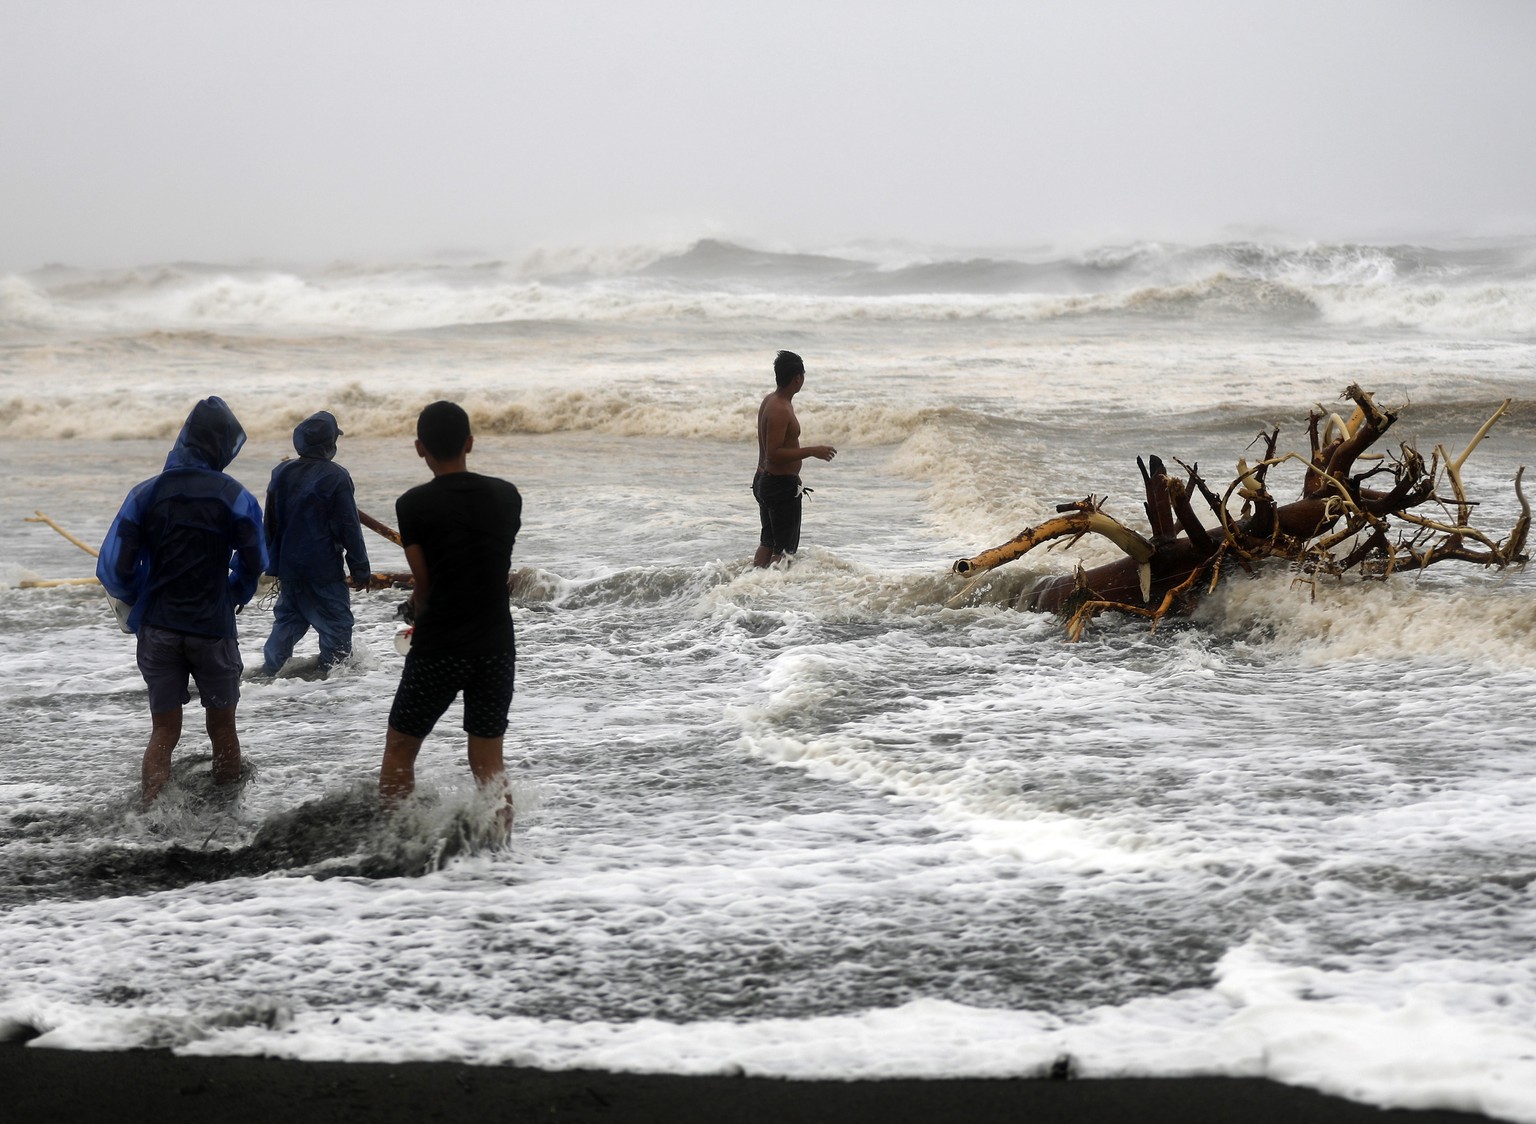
<point>210,437</point>
<point>316,435</point>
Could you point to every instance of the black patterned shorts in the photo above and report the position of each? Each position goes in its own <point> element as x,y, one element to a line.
<point>430,683</point>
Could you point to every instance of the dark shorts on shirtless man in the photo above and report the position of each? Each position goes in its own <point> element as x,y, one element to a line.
<point>779,508</point>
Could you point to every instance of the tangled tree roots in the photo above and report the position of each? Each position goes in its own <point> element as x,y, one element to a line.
<point>1338,526</point>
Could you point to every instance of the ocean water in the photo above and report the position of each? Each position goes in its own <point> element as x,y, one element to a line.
<point>804,822</point>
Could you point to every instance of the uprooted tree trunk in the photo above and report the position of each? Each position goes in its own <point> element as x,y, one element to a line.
<point>1337,526</point>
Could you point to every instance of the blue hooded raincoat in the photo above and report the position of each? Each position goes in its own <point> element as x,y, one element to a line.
<point>186,546</point>
<point>312,511</point>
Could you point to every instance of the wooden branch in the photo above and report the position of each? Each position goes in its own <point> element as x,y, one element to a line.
<point>1087,520</point>
<point>1480,434</point>
<point>376,580</point>
<point>1372,422</point>
<point>1514,546</point>
<point>1086,611</point>
<point>374,525</point>
<point>39,517</point>
<point>1189,522</point>
<point>1453,465</point>
<point>1159,511</point>
<point>1212,500</point>
<point>1459,532</point>
<point>384,579</point>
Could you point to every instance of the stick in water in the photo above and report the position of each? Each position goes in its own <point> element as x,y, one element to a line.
<point>374,525</point>
<point>39,517</point>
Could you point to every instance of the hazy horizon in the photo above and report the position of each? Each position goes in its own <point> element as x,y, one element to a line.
<point>275,130</point>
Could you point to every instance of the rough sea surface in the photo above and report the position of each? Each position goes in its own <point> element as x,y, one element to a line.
<point>805,822</point>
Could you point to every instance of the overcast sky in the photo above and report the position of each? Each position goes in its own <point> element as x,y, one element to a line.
<point>151,130</point>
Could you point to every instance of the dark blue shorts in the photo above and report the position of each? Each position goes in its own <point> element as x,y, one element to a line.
<point>430,683</point>
<point>167,659</point>
<point>778,506</point>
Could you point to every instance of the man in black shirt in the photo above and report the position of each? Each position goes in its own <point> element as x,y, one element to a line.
<point>458,530</point>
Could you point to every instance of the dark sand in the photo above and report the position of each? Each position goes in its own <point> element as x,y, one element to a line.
<point>154,1085</point>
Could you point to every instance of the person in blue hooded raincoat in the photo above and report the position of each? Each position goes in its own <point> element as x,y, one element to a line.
<point>311,523</point>
<point>184,552</point>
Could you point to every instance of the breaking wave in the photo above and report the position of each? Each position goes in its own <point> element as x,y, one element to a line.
<point>1483,288</point>
<point>124,414</point>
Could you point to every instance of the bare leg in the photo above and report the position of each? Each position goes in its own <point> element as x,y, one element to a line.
<point>397,774</point>
<point>164,733</point>
<point>220,724</point>
<point>485,762</point>
<point>763,556</point>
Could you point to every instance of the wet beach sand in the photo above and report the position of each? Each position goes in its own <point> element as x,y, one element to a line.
<point>73,1085</point>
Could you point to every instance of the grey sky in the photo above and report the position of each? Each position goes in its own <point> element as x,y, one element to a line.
<point>227,129</point>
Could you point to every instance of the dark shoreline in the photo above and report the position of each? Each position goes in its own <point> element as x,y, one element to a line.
<point>71,1085</point>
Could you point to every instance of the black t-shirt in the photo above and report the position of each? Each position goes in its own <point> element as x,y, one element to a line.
<point>465,524</point>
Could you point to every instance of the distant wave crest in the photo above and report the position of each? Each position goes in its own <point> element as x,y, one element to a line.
<point>1485,289</point>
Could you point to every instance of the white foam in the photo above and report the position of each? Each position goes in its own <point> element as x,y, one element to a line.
<point>1460,618</point>
<point>1428,1049</point>
<point>803,821</point>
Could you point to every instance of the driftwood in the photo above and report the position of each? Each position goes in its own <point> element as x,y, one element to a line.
<point>384,579</point>
<point>39,517</point>
<point>380,528</point>
<point>49,583</point>
<point>1337,526</point>
<point>406,580</point>
<point>379,579</point>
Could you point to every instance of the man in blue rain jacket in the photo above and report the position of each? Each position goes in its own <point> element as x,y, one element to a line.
<point>183,553</point>
<point>311,523</point>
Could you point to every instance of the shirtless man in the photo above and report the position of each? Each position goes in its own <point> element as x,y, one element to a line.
<point>776,486</point>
